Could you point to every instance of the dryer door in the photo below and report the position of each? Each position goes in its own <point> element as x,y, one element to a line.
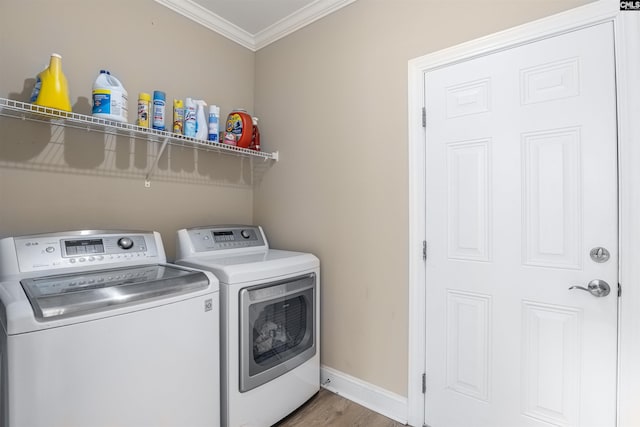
<point>277,325</point>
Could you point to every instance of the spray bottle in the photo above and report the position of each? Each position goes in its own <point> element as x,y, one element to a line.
<point>202,128</point>
<point>255,140</point>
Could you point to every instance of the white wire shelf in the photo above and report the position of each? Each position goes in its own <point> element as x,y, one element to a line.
<point>32,112</point>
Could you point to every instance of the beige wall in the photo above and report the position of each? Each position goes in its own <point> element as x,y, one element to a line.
<point>53,179</point>
<point>332,99</point>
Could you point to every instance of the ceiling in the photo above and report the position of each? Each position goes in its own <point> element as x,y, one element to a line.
<point>254,23</point>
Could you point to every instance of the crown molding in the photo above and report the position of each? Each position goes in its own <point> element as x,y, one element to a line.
<point>305,16</point>
<point>301,18</point>
<point>210,20</point>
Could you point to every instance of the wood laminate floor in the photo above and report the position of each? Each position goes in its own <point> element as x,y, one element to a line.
<point>329,409</point>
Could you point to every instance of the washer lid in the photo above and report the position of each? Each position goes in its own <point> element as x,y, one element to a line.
<point>54,297</point>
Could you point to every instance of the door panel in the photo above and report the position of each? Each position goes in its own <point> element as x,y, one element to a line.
<point>521,184</point>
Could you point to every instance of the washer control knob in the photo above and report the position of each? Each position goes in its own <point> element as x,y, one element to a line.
<point>125,243</point>
<point>245,234</point>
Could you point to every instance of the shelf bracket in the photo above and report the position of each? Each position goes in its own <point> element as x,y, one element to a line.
<point>147,178</point>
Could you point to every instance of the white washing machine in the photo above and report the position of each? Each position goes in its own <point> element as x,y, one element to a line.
<point>269,306</point>
<point>97,330</point>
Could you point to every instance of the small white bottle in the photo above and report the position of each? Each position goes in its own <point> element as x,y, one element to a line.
<point>214,123</point>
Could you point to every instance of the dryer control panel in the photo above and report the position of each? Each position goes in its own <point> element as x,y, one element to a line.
<point>217,238</point>
<point>85,249</point>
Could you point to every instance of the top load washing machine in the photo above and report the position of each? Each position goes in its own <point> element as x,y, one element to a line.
<point>269,307</point>
<point>97,330</point>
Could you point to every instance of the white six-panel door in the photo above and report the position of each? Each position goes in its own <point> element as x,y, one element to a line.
<point>521,185</point>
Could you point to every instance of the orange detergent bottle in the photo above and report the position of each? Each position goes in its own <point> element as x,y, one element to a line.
<point>239,129</point>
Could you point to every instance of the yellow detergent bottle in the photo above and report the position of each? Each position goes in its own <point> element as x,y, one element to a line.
<point>51,86</point>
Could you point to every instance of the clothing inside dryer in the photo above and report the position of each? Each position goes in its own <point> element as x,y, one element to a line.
<point>279,327</point>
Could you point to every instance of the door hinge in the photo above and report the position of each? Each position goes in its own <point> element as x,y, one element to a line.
<point>424,250</point>
<point>424,117</point>
<point>619,290</point>
<point>424,383</point>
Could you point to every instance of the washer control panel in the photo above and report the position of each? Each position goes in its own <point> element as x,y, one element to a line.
<point>218,238</point>
<point>103,245</point>
<point>57,250</point>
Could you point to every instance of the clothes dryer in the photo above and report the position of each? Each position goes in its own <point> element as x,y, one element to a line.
<point>269,307</point>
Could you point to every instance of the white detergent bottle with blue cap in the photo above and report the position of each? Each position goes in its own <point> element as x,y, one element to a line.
<point>110,99</point>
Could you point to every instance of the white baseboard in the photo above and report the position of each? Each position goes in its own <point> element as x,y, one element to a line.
<point>370,396</point>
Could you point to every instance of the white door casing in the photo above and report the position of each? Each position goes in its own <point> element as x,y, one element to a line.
<point>627,43</point>
<point>521,183</point>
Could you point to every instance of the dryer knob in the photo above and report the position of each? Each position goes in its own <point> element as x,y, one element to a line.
<point>125,243</point>
<point>245,234</point>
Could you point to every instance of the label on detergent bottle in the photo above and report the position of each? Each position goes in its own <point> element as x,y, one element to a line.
<point>234,124</point>
<point>239,129</point>
<point>101,101</point>
<point>36,90</point>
